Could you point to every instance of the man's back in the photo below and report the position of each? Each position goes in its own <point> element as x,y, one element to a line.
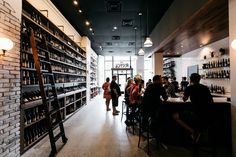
<point>200,97</point>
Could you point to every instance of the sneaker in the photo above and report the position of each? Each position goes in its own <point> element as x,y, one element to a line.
<point>195,137</point>
<point>108,109</point>
<point>117,111</point>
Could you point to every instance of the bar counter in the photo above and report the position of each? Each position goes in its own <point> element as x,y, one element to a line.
<point>221,130</point>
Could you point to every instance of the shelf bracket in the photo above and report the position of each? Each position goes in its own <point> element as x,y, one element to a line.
<point>45,12</point>
<point>61,27</point>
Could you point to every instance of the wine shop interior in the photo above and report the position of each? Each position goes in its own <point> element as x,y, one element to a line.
<point>69,72</point>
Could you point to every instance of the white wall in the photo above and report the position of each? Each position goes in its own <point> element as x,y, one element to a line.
<point>101,74</point>
<point>17,7</point>
<point>196,57</point>
<point>56,17</point>
<point>232,36</point>
<point>140,65</point>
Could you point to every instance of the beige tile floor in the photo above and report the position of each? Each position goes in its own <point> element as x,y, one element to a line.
<point>94,132</point>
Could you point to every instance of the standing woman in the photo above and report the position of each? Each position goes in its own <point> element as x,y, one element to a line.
<point>106,93</point>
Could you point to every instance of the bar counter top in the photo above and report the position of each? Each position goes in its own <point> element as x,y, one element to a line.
<point>215,99</point>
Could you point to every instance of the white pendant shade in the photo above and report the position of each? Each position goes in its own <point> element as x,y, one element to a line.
<point>148,42</point>
<point>141,52</point>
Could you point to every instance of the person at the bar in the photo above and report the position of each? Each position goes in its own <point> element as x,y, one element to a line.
<point>170,88</point>
<point>183,84</point>
<point>151,105</point>
<point>200,115</point>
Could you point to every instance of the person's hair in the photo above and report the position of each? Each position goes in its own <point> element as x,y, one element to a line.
<point>129,81</point>
<point>165,78</point>
<point>156,77</point>
<point>107,79</point>
<point>174,78</point>
<point>137,78</point>
<point>184,78</point>
<point>114,76</point>
<point>195,78</point>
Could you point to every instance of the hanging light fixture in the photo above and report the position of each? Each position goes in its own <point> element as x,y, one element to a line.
<point>148,41</point>
<point>141,51</point>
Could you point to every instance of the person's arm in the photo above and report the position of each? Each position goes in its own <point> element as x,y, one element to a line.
<point>186,94</point>
<point>164,94</point>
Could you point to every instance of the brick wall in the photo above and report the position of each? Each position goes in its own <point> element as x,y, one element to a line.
<point>10,84</point>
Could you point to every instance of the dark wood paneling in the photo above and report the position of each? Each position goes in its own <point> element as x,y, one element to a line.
<point>206,26</point>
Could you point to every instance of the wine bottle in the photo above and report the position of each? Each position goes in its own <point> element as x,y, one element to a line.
<point>26,138</point>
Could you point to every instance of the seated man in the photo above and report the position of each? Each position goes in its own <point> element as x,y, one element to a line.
<point>201,100</point>
<point>170,88</point>
<point>151,103</point>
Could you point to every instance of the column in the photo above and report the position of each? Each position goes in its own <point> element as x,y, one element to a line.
<point>158,63</point>
<point>232,36</point>
<point>140,65</point>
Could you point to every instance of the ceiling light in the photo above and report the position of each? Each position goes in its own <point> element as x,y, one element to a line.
<point>115,28</point>
<point>90,29</point>
<point>87,23</point>
<point>140,14</point>
<point>148,41</point>
<point>141,52</point>
<point>75,2</point>
<point>80,11</point>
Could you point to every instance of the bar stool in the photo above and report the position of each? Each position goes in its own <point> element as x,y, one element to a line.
<point>124,105</point>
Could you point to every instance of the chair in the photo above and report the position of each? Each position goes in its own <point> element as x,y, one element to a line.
<point>144,131</point>
<point>123,112</point>
<point>206,142</point>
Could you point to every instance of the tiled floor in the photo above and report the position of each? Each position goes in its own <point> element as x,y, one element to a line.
<point>94,132</point>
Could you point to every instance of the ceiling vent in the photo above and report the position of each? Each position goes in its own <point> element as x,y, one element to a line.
<point>115,37</point>
<point>127,23</point>
<point>131,43</point>
<point>114,6</point>
<point>128,51</point>
<point>109,43</point>
<point>111,51</point>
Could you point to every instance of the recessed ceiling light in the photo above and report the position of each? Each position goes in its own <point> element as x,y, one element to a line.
<point>87,23</point>
<point>90,29</point>
<point>115,28</point>
<point>140,13</point>
<point>80,11</point>
<point>75,2</point>
<point>93,33</point>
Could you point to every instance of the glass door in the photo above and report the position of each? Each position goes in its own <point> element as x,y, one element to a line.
<point>121,80</point>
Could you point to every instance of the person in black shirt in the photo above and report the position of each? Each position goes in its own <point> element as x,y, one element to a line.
<point>183,84</point>
<point>149,82</point>
<point>201,100</point>
<point>176,84</point>
<point>115,93</point>
<point>151,106</point>
<point>170,88</point>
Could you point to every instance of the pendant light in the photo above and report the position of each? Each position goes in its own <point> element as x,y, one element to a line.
<point>148,41</point>
<point>141,51</point>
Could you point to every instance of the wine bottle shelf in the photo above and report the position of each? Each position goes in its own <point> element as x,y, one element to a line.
<point>68,62</point>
